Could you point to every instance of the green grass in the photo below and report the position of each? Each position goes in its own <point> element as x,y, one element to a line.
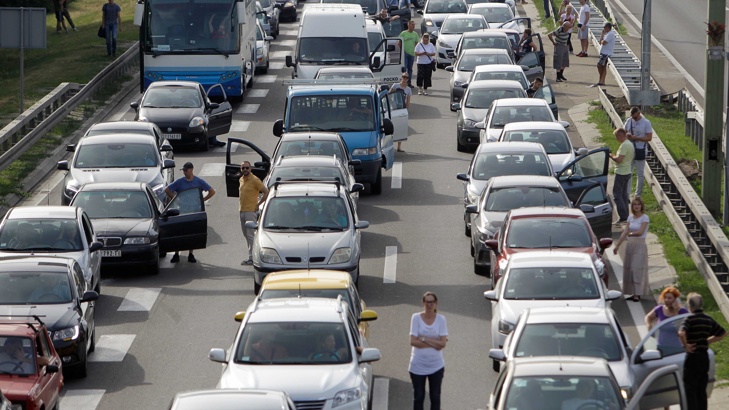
<point>688,279</point>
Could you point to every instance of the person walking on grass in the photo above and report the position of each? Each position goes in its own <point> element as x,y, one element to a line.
<point>111,22</point>
<point>561,59</point>
<point>623,158</point>
<point>607,41</point>
<point>635,263</point>
<point>65,14</point>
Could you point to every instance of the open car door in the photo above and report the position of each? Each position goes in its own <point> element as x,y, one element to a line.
<point>398,114</point>
<point>220,118</point>
<point>517,23</point>
<point>584,172</point>
<point>232,166</point>
<point>601,219</point>
<point>183,224</point>
<point>534,60</point>
<point>391,56</point>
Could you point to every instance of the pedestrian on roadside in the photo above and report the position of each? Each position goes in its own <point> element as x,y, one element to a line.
<point>635,262</point>
<point>403,85</point>
<point>428,338</point>
<point>607,41</point>
<point>535,86</point>
<point>669,305</point>
<point>623,158</point>
<point>67,15</point>
<point>561,59</point>
<point>697,332</point>
<point>409,40</point>
<point>58,11</point>
<point>111,23</point>
<point>425,51</point>
<point>249,190</point>
<point>567,13</point>
<point>583,22</point>
<point>188,181</point>
<point>640,132</point>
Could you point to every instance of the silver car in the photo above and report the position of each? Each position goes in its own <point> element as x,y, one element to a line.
<point>451,32</point>
<point>508,110</point>
<point>240,399</point>
<point>468,61</point>
<point>551,135</point>
<point>435,11</point>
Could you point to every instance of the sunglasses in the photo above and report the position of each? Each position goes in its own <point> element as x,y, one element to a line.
<point>242,168</point>
<point>429,301</point>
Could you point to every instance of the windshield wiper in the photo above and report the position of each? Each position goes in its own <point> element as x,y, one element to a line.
<point>309,228</point>
<point>308,127</point>
<point>217,50</point>
<point>278,227</point>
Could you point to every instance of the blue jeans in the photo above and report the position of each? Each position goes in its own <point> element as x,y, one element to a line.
<point>409,61</point>
<point>111,30</point>
<point>621,195</point>
<point>435,380</point>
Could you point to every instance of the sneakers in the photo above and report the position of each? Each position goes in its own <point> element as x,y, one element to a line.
<point>175,258</point>
<point>582,54</point>
<point>248,261</point>
<point>191,258</point>
<point>216,143</point>
<point>420,90</point>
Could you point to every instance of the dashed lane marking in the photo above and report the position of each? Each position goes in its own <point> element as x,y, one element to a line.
<point>212,169</point>
<point>390,273</point>
<point>248,108</point>
<point>288,43</point>
<point>396,181</point>
<point>139,300</point>
<point>279,55</point>
<point>276,66</point>
<point>263,79</point>
<point>112,348</point>
<point>257,93</point>
<point>240,126</point>
<point>81,399</point>
<point>380,393</point>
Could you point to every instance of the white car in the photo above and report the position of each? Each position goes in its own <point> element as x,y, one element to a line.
<point>551,135</point>
<point>263,43</point>
<point>451,32</point>
<point>317,354</point>
<point>435,11</point>
<point>507,110</point>
<point>499,15</point>
<point>544,279</point>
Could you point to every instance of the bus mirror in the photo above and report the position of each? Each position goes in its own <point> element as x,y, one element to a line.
<point>241,13</point>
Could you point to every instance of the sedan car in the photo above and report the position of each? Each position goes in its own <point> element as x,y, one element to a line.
<point>451,32</point>
<point>484,39</point>
<point>115,158</point>
<point>508,110</point>
<point>53,230</point>
<point>135,226</point>
<point>435,11</point>
<point>273,12</point>
<point>551,135</point>
<point>53,288</point>
<point>263,42</point>
<point>596,333</point>
<point>233,399</point>
<point>287,10</point>
<point>184,112</point>
<point>467,62</point>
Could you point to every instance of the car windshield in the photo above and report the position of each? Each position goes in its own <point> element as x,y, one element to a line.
<point>548,233</point>
<point>569,339</point>
<point>305,214</point>
<point>114,204</point>
<point>446,6</point>
<point>172,97</point>
<point>461,25</point>
<point>490,165</point>
<point>568,393</point>
<point>470,61</point>
<point>332,50</point>
<point>34,288</point>
<point>507,75</point>
<point>282,343</point>
<point>309,147</point>
<point>115,155</point>
<point>482,98</point>
<point>305,173</point>
<point>17,355</point>
<point>554,142</point>
<point>508,198</point>
<point>41,235</point>
<point>505,115</point>
<point>343,113</point>
<point>494,14</point>
<point>550,284</point>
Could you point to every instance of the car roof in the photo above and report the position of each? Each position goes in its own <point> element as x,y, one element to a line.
<point>486,32</point>
<point>26,263</point>
<point>113,186</point>
<point>324,90</point>
<point>307,161</point>
<point>43,211</point>
<point>483,51</point>
<point>533,125</point>
<point>308,279</point>
<point>223,398</point>
<point>117,139</point>
<point>498,68</point>
<point>296,310</point>
<point>125,125</point>
<point>17,327</point>
<point>523,180</point>
<point>360,69</point>
<point>546,211</point>
<point>157,84</point>
<point>495,84</point>
<point>569,314</point>
<point>520,102</point>
<point>510,147</point>
<point>307,188</point>
<point>314,136</point>
<point>563,366</point>
<point>562,259</point>
<point>490,5</point>
<point>464,16</point>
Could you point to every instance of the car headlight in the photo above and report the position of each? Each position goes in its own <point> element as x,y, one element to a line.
<point>458,84</point>
<point>341,255</point>
<point>364,151</point>
<point>443,44</point>
<point>269,255</point>
<point>346,396</point>
<point>69,333</point>
<point>143,119</point>
<point>626,392</point>
<point>71,190</point>
<point>196,122</point>
<point>259,52</point>
<point>428,23</point>
<point>600,267</point>
<point>505,327</point>
<point>469,123</point>
<point>136,240</point>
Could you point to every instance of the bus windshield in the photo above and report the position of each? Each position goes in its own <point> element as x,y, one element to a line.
<point>191,26</point>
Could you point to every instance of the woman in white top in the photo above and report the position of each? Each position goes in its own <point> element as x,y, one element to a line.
<point>635,262</point>
<point>428,337</point>
<point>425,54</point>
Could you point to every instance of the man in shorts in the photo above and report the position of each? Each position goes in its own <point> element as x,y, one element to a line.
<point>582,23</point>
<point>607,41</point>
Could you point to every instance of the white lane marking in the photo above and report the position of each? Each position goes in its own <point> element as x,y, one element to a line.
<point>81,399</point>
<point>112,348</point>
<point>257,93</point>
<point>290,32</point>
<point>380,393</point>
<point>396,181</point>
<point>390,265</point>
<point>279,55</point>
<point>276,66</point>
<point>212,169</point>
<point>240,126</point>
<point>248,108</point>
<point>263,79</point>
<point>139,300</point>
<point>288,43</point>
<point>43,195</point>
<point>636,309</point>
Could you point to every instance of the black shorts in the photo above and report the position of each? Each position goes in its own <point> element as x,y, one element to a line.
<point>603,59</point>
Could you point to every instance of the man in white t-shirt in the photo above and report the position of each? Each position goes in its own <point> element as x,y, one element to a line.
<point>607,41</point>
<point>583,21</point>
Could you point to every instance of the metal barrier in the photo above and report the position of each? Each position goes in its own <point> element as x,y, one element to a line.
<point>694,117</point>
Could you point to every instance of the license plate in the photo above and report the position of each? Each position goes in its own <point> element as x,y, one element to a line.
<point>113,254</point>
<point>173,136</point>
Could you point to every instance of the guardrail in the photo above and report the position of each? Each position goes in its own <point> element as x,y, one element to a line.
<point>693,116</point>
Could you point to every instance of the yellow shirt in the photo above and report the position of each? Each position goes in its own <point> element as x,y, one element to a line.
<point>248,191</point>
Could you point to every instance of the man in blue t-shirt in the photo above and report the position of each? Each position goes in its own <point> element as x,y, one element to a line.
<point>189,181</point>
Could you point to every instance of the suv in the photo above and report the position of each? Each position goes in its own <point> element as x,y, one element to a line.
<point>317,354</point>
<point>306,225</point>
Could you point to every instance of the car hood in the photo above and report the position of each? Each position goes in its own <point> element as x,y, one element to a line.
<point>475,114</point>
<point>139,174</point>
<point>176,117</point>
<point>122,226</point>
<point>302,382</point>
<point>509,309</point>
<point>461,76</point>
<point>476,186</point>
<point>560,161</point>
<point>305,245</point>
<point>16,389</point>
<point>492,219</point>
<point>56,316</point>
<point>450,39</point>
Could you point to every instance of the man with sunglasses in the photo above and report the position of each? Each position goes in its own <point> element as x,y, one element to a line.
<point>249,190</point>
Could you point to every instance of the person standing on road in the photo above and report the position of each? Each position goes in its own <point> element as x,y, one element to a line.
<point>403,85</point>
<point>561,58</point>
<point>425,51</point>
<point>640,132</point>
<point>623,158</point>
<point>111,22</point>
<point>248,192</point>
<point>607,41</point>
<point>428,338</point>
<point>188,181</point>
<point>409,40</point>
<point>567,13</point>
<point>583,22</point>
<point>697,332</point>
<point>668,307</point>
<point>635,263</point>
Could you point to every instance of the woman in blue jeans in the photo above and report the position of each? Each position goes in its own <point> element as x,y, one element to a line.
<point>428,338</point>
<point>111,22</point>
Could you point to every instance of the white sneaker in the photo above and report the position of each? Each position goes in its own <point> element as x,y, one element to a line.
<point>420,90</point>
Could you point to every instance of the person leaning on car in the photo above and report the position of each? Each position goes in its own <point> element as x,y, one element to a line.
<point>248,190</point>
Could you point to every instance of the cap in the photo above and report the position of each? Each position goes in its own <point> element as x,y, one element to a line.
<point>188,165</point>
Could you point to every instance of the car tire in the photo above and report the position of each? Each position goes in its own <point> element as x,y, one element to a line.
<point>473,250</point>
<point>460,147</point>
<point>80,371</point>
<point>264,70</point>
<point>256,287</point>
<point>153,269</point>
<point>376,187</point>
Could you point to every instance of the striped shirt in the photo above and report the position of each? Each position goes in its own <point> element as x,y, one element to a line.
<point>699,327</point>
<point>561,37</point>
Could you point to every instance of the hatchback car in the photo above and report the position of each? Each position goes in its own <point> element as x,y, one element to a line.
<point>56,231</point>
<point>316,353</point>
<point>53,288</point>
<point>435,11</point>
<point>551,135</point>
<point>30,377</point>
<point>498,15</point>
<point>596,333</point>
<point>484,39</point>
<point>135,227</point>
<point>287,10</point>
<point>232,399</point>
<point>468,61</point>
<point>451,32</point>
<point>508,110</point>
<point>114,158</point>
<point>184,113</point>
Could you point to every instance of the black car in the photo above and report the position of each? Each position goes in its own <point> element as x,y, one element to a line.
<point>288,10</point>
<point>135,226</point>
<point>53,288</point>
<point>185,114</point>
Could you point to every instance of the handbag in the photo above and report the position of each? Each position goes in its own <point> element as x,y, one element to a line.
<point>102,32</point>
<point>434,65</point>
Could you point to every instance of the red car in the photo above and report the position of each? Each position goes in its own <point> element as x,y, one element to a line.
<point>30,369</point>
<point>544,228</point>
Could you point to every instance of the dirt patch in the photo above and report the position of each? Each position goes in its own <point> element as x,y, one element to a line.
<point>690,169</point>
<point>619,103</point>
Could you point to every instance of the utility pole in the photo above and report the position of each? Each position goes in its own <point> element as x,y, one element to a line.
<point>714,102</point>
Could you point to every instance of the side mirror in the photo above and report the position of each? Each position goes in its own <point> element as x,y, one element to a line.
<point>480,125</point>
<point>362,225</point>
<point>217,355</point>
<point>134,105</point>
<point>213,106</point>
<point>587,208</point>
<point>367,315</point>
<point>251,225</point>
<point>89,296</point>
<point>269,38</point>
<point>419,12</point>
<point>62,165</point>
<point>455,106</point>
<point>491,295</point>
<point>370,354</point>
<point>463,177</point>
<point>581,151</point>
<point>357,188</point>
<point>650,355</point>
<point>564,124</point>
<point>289,61</point>
<point>524,67</point>
<point>388,127</point>
<point>493,244</point>
<point>171,212</point>
<point>605,243</point>
<point>165,148</point>
<point>355,162</point>
<point>449,68</point>
<point>278,128</point>
<point>497,354</point>
<point>464,86</point>
<point>614,295</point>
<point>472,209</point>
<point>168,163</point>
<point>238,317</point>
<point>95,246</point>
<point>71,148</point>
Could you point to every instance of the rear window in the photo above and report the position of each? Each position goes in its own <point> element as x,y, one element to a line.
<point>548,233</point>
<point>491,165</point>
<point>506,199</point>
<point>484,98</point>
<point>569,339</point>
<point>506,115</point>
<point>551,284</point>
<point>554,142</point>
